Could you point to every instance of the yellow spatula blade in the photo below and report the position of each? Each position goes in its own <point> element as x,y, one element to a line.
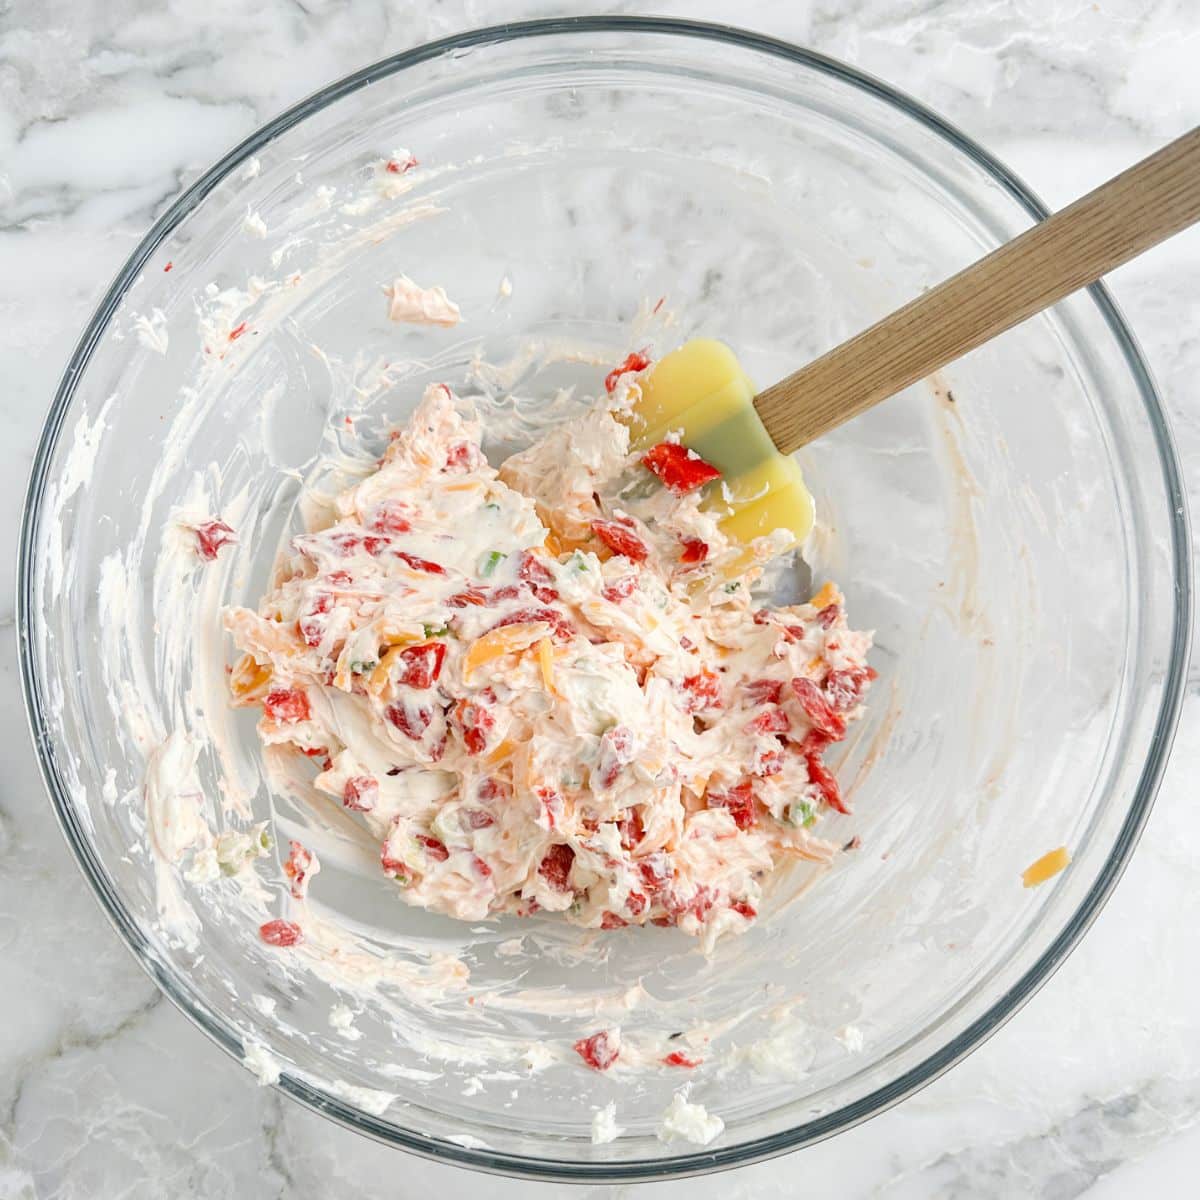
<point>701,392</point>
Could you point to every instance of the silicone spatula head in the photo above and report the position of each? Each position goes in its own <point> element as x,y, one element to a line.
<point>700,393</point>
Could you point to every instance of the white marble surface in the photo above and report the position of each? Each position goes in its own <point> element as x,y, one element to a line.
<point>106,110</point>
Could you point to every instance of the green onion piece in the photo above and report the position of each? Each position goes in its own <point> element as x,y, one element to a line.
<point>490,562</point>
<point>803,814</point>
<point>432,631</point>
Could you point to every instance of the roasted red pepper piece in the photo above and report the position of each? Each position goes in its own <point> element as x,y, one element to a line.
<point>555,867</point>
<point>561,627</point>
<point>211,536</point>
<point>701,691</point>
<point>421,665</point>
<point>738,800</point>
<point>472,596</point>
<point>420,564</point>
<point>820,775</point>
<point>770,720</point>
<point>763,691</point>
<point>620,589</point>
<point>599,1051</point>
<point>616,751</point>
<point>360,793</point>
<point>620,539</point>
<point>474,721</point>
<point>297,868</point>
<point>680,469</point>
<point>280,933</point>
<point>817,709</point>
<point>637,361</point>
<point>412,721</point>
<point>392,516</point>
<point>677,1058</point>
<point>435,849</point>
<point>844,688</point>
<point>286,705</point>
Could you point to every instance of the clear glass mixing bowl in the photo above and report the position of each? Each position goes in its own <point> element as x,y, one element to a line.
<point>1014,532</point>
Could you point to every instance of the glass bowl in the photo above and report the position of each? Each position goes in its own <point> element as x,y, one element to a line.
<point>1013,530</point>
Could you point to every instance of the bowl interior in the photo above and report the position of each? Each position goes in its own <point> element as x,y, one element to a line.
<point>1008,529</point>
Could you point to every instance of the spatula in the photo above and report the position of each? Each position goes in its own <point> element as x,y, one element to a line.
<point>701,392</point>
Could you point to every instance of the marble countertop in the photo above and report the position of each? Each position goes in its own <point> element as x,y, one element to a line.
<point>106,111</point>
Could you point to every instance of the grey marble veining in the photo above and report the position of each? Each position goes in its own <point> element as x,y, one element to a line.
<point>106,110</point>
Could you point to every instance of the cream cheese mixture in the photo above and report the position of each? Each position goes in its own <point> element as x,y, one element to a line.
<point>548,687</point>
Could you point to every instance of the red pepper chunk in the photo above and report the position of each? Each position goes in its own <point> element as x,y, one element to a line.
<point>412,722</point>
<point>680,470</point>
<point>702,691</point>
<point>655,872</point>
<point>472,597</point>
<point>401,166</point>
<point>617,749</point>
<point>297,868</point>
<point>360,793</point>
<point>637,361</point>
<point>767,763</point>
<point>211,536</point>
<point>817,709</point>
<point>392,516</point>
<point>555,867</point>
<point>599,1051</point>
<point>844,688</point>
<point>434,848</point>
<point>561,627</point>
<point>770,720</point>
<point>287,705</point>
<point>280,933</point>
<point>421,665</point>
<point>552,805</point>
<point>738,800</point>
<point>464,454</point>
<point>474,722</point>
<point>312,629</point>
<point>744,909</point>
<point>533,570</point>
<point>620,589</point>
<point>621,540</point>
<point>821,776</point>
<point>763,691</point>
<point>631,828</point>
<point>694,551</point>
<point>420,564</point>
<point>828,616</point>
<point>677,1058</point>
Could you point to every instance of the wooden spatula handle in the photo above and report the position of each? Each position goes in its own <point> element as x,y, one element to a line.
<point>1139,208</point>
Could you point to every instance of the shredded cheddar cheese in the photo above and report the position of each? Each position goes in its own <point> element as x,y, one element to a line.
<point>1046,867</point>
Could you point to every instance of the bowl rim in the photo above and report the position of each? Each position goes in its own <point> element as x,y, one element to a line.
<point>700,1162</point>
